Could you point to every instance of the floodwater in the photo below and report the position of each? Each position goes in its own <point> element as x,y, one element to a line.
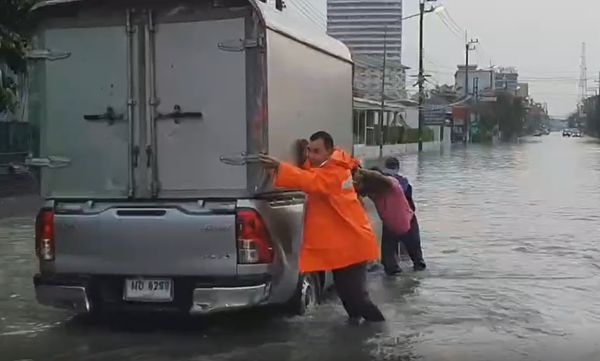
<point>511,235</point>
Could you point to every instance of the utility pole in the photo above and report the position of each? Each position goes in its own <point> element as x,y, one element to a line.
<point>469,46</point>
<point>476,95</point>
<point>383,71</point>
<point>421,74</point>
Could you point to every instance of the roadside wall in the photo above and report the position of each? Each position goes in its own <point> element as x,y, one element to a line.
<point>368,153</point>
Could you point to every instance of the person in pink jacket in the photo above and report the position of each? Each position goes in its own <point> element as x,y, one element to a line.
<point>392,206</point>
<point>389,199</point>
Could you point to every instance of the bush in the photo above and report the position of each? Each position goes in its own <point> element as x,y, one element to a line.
<point>412,135</point>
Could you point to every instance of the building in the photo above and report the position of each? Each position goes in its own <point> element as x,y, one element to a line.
<point>507,79</point>
<point>371,29</point>
<point>398,131</point>
<point>482,80</point>
<point>523,90</point>
<point>367,79</point>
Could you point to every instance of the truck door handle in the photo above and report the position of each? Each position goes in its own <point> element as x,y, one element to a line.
<point>110,116</point>
<point>149,156</point>
<point>177,114</point>
<point>135,155</point>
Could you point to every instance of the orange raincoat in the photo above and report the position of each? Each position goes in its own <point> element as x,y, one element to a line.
<point>337,230</point>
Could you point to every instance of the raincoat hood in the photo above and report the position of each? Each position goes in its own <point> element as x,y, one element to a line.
<point>343,159</point>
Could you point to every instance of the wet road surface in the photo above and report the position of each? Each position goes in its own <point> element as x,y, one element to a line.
<point>511,235</point>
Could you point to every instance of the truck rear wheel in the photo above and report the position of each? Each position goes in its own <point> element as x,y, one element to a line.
<point>307,296</point>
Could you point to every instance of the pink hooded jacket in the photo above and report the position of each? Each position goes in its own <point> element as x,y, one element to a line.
<point>393,209</point>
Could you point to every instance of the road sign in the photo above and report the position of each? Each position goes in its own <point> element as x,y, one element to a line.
<point>488,99</point>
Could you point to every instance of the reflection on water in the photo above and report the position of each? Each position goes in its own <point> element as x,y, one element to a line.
<point>510,234</point>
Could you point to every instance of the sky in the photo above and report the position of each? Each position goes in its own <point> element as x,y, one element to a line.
<point>541,38</point>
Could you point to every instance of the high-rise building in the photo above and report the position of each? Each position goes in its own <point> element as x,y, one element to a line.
<point>371,28</point>
<point>367,26</point>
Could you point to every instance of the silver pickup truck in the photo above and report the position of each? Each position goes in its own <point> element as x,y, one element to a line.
<point>150,116</point>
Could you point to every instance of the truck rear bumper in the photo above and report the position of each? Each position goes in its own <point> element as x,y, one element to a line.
<point>82,294</point>
<point>210,300</point>
<point>72,298</point>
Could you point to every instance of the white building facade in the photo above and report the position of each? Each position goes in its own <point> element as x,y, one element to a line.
<point>371,28</point>
<point>507,79</point>
<point>480,80</point>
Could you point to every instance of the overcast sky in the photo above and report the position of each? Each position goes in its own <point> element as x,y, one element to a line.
<point>541,38</point>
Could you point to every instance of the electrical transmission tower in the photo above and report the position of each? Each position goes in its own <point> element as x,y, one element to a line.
<point>582,80</point>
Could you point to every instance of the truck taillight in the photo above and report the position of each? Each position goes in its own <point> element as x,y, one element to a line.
<point>253,242</point>
<point>44,235</point>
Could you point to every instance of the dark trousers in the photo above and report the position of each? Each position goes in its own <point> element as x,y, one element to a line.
<point>412,242</point>
<point>351,287</point>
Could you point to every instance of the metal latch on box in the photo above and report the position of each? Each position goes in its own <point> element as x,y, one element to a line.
<point>48,162</point>
<point>240,159</point>
<point>38,54</point>
<point>241,44</point>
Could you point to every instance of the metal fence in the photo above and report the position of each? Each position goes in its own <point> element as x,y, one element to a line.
<point>15,137</point>
<point>15,144</point>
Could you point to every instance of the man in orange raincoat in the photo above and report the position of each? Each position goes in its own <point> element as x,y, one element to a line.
<point>337,233</point>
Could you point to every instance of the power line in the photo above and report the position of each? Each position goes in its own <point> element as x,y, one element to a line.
<point>452,31</point>
<point>447,13</point>
<point>310,17</point>
<point>433,62</point>
<point>444,16</point>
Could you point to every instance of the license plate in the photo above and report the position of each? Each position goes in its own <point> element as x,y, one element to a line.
<point>148,290</point>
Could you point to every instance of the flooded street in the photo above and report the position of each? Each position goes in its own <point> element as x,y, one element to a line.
<point>511,238</point>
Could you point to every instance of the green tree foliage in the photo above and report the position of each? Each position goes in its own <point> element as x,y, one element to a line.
<point>572,120</point>
<point>508,113</point>
<point>14,27</point>
<point>592,120</point>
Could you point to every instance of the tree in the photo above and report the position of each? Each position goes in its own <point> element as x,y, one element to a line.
<point>592,111</point>
<point>507,113</point>
<point>14,29</point>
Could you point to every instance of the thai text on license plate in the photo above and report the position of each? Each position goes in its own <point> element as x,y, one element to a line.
<point>148,290</point>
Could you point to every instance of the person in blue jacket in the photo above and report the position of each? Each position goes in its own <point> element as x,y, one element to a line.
<point>412,239</point>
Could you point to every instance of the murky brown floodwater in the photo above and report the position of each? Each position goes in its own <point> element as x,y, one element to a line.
<point>511,235</point>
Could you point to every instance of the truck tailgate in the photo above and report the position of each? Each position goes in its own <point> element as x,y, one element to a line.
<point>159,241</point>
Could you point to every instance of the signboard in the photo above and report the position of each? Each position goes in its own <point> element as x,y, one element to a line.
<point>488,99</point>
<point>435,116</point>
<point>459,115</point>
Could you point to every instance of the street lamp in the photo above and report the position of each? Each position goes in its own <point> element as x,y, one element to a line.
<point>433,9</point>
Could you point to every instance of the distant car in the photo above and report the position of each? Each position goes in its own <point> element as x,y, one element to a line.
<point>537,134</point>
<point>577,134</point>
<point>566,133</point>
